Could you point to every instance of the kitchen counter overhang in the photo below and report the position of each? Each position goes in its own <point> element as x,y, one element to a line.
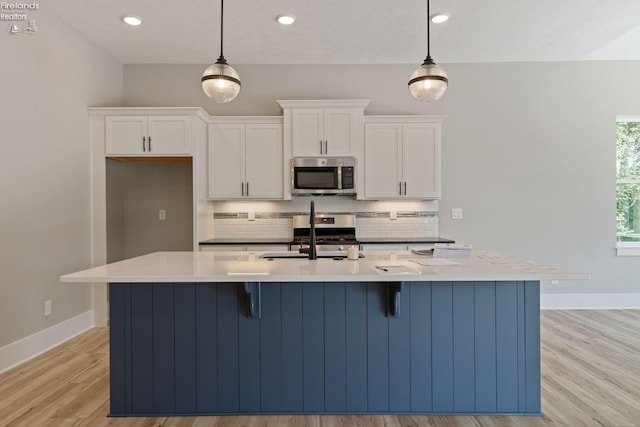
<point>175,267</point>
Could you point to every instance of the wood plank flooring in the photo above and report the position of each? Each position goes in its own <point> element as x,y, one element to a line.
<point>590,377</point>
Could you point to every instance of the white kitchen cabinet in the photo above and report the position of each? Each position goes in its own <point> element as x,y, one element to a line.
<point>402,160</point>
<point>245,161</point>
<point>325,132</point>
<point>148,135</point>
<point>328,127</point>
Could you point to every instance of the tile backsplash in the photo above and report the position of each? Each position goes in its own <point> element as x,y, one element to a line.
<point>407,224</point>
<point>373,219</point>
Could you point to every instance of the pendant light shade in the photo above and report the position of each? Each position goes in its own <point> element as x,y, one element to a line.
<point>429,81</point>
<point>220,81</point>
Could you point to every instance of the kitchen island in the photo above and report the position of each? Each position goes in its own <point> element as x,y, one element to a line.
<point>236,333</point>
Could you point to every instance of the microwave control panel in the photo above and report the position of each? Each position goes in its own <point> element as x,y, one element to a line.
<point>347,177</point>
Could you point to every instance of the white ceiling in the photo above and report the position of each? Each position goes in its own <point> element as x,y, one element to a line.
<point>359,31</point>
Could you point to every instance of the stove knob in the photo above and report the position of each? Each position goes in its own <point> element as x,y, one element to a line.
<point>341,248</point>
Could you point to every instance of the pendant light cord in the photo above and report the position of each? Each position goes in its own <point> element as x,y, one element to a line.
<point>428,32</point>
<point>221,26</point>
<point>221,59</point>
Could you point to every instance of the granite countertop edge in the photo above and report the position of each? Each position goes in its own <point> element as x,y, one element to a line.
<point>248,241</point>
<point>374,240</point>
<point>285,241</point>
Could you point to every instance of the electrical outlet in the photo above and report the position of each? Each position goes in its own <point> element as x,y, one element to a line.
<point>393,215</point>
<point>555,282</point>
<point>162,215</point>
<point>251,215</point>
<point>456,213</point>
<point>47,308</point>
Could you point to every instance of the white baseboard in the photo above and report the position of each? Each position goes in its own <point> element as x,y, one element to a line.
<point>34,345</point>
<point>589,301</point>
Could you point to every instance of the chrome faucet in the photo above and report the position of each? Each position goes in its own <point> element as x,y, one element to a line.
<point>313,250</point>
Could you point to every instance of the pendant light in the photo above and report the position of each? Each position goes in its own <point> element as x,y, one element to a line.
<point>220,81</point>
<point>429,81</point>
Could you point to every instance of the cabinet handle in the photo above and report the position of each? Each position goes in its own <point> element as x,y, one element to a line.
<point>242,186</point>
<point>320,146</point>
<point>149,145</point>
<point>400,188</point>
<point>247,189</point>
<point>326,147</point>
<point>405,188</point>
<point>144,140</point>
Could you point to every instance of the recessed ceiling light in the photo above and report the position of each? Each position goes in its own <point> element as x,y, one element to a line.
<point>286,19</point>
<point>132,20</point>
<point>439,18</point>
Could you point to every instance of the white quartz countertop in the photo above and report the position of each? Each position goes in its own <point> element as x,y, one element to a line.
<point>249,267</point>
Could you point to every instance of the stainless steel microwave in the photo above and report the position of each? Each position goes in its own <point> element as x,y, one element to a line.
<point>323,175</point>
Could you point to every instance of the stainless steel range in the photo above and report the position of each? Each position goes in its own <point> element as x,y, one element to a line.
<point>333,232</point>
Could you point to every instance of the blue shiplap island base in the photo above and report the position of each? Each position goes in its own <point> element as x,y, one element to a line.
<point>325,348</point>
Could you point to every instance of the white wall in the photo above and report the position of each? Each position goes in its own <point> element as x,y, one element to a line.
<point>48,81</point>
<point>528,148</point>
<point>135,193</point>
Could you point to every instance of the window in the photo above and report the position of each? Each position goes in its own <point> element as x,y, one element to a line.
<point>628,185</point>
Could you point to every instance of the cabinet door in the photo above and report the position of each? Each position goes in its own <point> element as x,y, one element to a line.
<point>421,159</point>
<point>263,161</point>
<point>339,132</point>
<point>124,135</point>
<point>169,135</point>
<point>226,161</point>
<point>383,160</point>
<point>307,132</point>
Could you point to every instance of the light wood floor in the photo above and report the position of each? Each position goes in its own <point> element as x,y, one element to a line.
<point>590,377</point>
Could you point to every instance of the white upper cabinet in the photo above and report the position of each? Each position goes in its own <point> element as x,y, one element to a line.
<point>308,132</point>
<point>148,135</point>
<point>245,160</point>
<point>402,159</point>
<point>226,161</point>
<point>421,161</point>
<point>325,132</point>
<point>383,161</point>
<point>263,161</point>
<point>315,128</point>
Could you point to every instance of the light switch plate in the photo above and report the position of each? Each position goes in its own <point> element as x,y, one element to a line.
<point>162,215</point>
<point>456,213</point>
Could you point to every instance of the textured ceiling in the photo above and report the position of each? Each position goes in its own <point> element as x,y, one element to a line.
<point>359,31</point>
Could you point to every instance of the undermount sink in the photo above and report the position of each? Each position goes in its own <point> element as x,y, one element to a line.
<point>322,254</point>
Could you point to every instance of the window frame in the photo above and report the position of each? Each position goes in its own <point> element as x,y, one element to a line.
<point>626,248</point>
